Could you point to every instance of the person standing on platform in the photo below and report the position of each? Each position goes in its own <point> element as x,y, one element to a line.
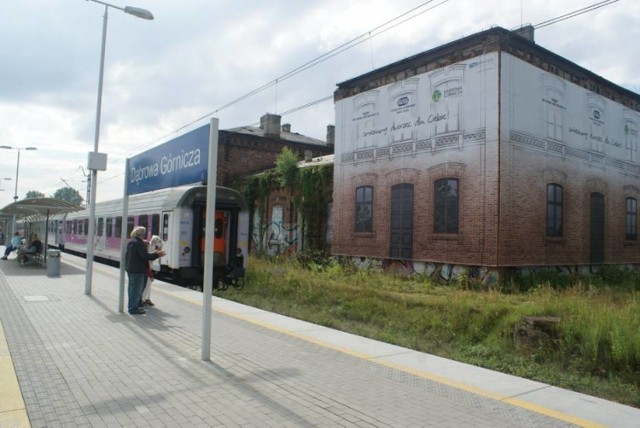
<point>136,264</point>
<point>154,245</point>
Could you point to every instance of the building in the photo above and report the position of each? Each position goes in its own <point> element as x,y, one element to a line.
<point>491,152</point>
<point>249,150</point>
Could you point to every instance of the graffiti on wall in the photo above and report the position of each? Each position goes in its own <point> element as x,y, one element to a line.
<point>277,239</point>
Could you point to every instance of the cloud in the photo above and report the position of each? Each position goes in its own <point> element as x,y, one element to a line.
<point>197,56</point>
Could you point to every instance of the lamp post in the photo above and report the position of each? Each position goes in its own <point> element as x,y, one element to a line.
<point>15,195</point>
<point>6,178</point>
<point>98,161</point>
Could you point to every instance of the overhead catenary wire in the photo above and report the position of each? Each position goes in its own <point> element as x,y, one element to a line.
<point>376,31</point>
<point>368,35</point>
<point>574,13</point>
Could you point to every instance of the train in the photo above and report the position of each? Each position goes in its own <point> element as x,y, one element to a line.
<point>178,216</point>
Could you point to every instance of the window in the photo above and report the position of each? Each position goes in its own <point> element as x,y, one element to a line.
<point>100,226</point>
<point>109,227</point>
<point>364,209</point>
<point>554,209</point>
<point>143,221</point>
<point>165,227</point>
<point>118,227</point>
<point>130,225</point>
<point>86,226</point>
<point>155,224</point>
<point>631,232</point>
<point>446,201</point>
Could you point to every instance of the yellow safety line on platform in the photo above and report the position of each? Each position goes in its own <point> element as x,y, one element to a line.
<point>13,412</point>
<point>420,373</point>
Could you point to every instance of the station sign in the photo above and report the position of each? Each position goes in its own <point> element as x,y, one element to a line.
<point>180,161</point>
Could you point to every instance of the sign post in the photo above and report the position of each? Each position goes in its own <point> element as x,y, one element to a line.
<point>190,158</point>
<point>209,236</point>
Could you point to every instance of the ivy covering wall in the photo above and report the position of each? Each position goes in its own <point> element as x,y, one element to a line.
<point>310,189</point>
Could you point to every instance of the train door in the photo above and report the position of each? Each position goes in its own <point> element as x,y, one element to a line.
<point>101,241</point>
<point>165,221</point>
<point>186,247</point>
<point>221,236</point>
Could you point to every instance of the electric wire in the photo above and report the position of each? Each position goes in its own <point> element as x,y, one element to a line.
<point>368,35</point>
<point>574,13</point>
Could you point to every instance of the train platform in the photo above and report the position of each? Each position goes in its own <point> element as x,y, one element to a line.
<point>68,359</point>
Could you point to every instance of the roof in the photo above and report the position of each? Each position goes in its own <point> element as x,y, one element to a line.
<point>293,137</point>
<point>494,39</point>
<point>38,208</point>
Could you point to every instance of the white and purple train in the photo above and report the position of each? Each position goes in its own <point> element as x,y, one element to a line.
<point>177,215</point>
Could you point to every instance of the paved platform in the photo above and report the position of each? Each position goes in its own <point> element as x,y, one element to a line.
<point>68,359</point>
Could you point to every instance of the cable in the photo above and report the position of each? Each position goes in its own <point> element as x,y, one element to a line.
<point>380,29</point>
<point>574,13</point>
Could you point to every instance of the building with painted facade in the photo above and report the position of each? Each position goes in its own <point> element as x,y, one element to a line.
<point>489,151</point>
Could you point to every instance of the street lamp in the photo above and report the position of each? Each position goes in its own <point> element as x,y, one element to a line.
<point>15,194</point>
<point>98,161</point>
<point>6,178</point>
<point>19,149</point>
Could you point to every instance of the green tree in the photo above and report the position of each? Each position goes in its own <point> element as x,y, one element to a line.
<point>68,194</point>
<point>34,194</point>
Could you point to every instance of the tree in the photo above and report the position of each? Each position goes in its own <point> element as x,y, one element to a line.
<point>68,194</point>
<point>34,194</point>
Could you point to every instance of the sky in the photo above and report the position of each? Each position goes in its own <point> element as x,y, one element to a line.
<point>167,76</point>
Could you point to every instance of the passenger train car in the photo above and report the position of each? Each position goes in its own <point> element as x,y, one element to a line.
<point>177,215</point>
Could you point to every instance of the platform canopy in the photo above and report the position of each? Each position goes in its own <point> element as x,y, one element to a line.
<point>33,209</point>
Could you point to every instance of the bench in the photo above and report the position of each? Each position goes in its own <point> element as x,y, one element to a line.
<point>26,259</point>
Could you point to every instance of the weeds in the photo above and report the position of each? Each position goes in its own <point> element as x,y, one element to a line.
<point>596,351</point>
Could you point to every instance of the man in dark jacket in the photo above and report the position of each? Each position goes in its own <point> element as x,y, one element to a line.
<point>137,262</point>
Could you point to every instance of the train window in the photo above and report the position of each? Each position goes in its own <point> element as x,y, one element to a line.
<point>165,227</point>
<point>143,221</point>
<point>109,227</point>
<point>118,228</point>
<point>79,228</point>
<point>155,224</point>
<point>100,227</point>
<point>218,229</point>
<point>129,225</point>
<point>86,226</point>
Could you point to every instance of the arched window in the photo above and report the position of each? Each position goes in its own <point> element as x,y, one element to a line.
<point>445,210</point>
<point>364,209</point>
<point>554,209</point>
<point>631,231</point>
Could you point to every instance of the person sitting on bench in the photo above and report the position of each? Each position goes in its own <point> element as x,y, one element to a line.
<point>31,248</point>
<point>16,242</point>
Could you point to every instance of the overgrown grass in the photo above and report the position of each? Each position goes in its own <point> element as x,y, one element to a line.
<point>596,351</point>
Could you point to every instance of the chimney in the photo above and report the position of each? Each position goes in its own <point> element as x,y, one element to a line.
<point>270,124</point>
<point>526,32</point>
<point>286,127</point>
<point>331,135</point>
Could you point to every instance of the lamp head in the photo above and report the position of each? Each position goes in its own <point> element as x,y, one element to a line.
<point>139,12</point>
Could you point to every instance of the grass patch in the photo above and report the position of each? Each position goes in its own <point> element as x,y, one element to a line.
<point>596,351</point>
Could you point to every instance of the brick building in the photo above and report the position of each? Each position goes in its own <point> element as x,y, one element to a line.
<point>248,150</point>
<point>489,151</point>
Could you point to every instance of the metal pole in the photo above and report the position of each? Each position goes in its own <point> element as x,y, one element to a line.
<point>209,236</point>
<point>123,238</point>
<point>15,194</point>
<point>94,172</point>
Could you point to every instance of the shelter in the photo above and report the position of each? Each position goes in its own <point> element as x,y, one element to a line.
<point>38,210</point>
